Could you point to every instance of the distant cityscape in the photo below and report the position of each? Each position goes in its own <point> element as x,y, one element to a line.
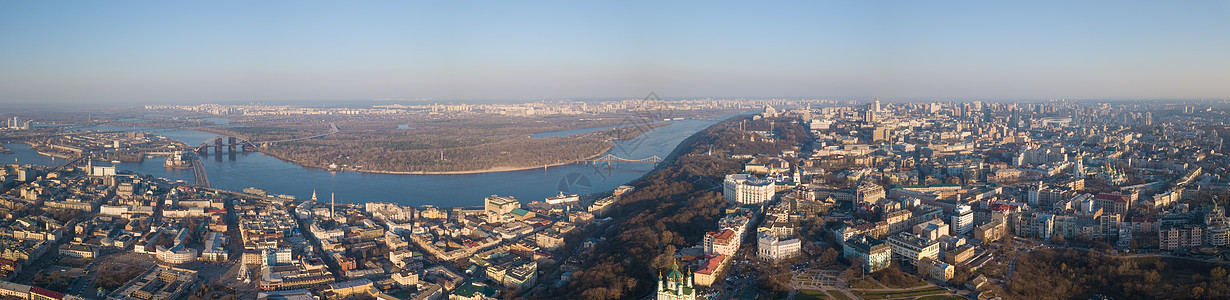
<point>650,104</point>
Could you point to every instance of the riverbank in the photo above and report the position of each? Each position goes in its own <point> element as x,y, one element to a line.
<point>56,155</point>
<point>39,150</point>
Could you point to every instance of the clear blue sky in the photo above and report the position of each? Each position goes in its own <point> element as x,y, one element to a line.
<point>215,51</point>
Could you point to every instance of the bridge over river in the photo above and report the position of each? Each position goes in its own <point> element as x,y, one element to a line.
<point>233,144</point>
<point>611,158</point>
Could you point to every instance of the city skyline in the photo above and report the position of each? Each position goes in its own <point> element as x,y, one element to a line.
<point>1060,199</point>
<point>147,52</point>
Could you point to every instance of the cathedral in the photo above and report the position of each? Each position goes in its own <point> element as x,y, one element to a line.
<point>675,285</point>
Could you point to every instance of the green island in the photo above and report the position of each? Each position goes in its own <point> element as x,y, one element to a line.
<point>426,145</point>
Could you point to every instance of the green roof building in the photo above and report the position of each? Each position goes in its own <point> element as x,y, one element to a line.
<point>676,285</point>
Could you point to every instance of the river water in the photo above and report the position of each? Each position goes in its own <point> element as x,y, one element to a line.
<point>241,170</point>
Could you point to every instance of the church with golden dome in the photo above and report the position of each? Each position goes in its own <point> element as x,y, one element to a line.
<point>676,285</point>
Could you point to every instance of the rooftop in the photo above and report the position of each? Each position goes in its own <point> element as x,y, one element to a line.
<point>711,264</point>
<point>722,237</point>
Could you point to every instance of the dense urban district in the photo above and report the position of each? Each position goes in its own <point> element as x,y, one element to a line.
<point>801,200</point>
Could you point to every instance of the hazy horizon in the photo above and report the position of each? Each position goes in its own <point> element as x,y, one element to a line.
<point>279,51</point>
<point>364,103</point>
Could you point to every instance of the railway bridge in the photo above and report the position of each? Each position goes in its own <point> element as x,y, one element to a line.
<point>232,145</point>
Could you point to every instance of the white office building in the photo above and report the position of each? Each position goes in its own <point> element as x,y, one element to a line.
<point>177,254</point>
<point>747,189</point>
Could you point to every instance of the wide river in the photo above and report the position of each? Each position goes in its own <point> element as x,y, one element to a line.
<point>235,172</point>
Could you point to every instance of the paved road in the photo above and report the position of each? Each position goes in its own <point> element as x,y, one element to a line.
<point>198,173</point>
<point>84,287</point>
<point>1012,262</point>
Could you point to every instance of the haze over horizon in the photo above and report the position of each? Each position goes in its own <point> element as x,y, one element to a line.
<point>156,52</point>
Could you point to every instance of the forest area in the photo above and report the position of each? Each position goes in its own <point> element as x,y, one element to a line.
<point>1079,274</point>
<point>671,208</point>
